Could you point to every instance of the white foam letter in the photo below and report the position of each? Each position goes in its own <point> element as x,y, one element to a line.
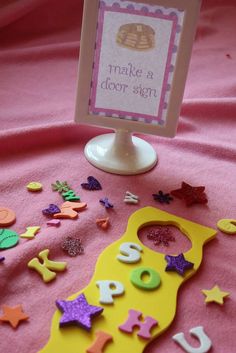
<point>108,289</point>
<point>205,342</point>
<point>130,253</point>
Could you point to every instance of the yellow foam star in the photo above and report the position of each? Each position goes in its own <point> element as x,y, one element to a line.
<point>215,295</point>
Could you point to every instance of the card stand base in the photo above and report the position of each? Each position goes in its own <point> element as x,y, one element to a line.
<point>121,153</point>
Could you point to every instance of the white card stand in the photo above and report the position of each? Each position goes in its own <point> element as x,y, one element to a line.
<point>121,153</point>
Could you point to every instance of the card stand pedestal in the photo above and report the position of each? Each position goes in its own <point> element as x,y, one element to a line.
<point>121,153</point>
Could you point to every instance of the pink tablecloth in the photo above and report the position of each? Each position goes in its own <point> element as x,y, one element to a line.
<point>39,42</point>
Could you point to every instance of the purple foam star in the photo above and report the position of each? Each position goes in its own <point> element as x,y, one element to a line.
<point>78,312</point>
<point>106,202</point>
<point>178,264</point>
<point>2,259</point>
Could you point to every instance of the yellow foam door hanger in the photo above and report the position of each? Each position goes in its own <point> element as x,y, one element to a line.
<point>133,286</point>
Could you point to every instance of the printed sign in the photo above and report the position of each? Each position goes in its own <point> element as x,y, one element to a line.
<point>133,63</point>
<point>135,55</point>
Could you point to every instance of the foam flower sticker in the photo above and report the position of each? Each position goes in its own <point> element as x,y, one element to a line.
<point>72,246</point>
<point>60,186</point>
<point>161,236</point>
<point>162,198</point>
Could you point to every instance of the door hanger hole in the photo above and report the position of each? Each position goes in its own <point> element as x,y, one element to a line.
<point>166,239</point>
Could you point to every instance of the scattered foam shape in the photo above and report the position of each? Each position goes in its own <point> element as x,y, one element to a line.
<point>60,186</point>
<point>30,232</point>
<point>70,196</point>
<point>191,194</point>
<point>2,258</point>
<point>103,222</point>
<point>178,264</point>
<point>34,186</point>
<point>7,217</point>
<point>108,289</point>
<point>130,253</point>
<point>68,210</point>
<point>106,203</point>
<point>8,239</point>
<point>198,332</point>
<point>72,246</point>
<point>92,184</point>
<point>131,198</point>
<point>78,312</point>
<point>145,326</point>
<point>47,265</point>
<point>51,210</point>
<point>54,223</point>
<point>227,226</point>
<point>162,198</point>
<point>102,338</point>
<point>215,295</point>
<point>137,278</point>
<point>13,315</point>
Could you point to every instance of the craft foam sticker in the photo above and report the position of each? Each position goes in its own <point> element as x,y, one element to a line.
<point>8,239</point>
<point>198,332</point>
<point>98,346</point>
<point>47,268</point>
<point>135,55</point>
<point>215,295</point>
<point>118,288</point>
<point>13,315</point>
<point>227,226</point>
<point>7,217</point>
<point>30,232</point>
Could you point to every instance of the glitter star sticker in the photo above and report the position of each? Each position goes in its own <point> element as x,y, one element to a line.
<point>215,295</point>
<point>191,194</point>
<point>13,315</point>
<point>178,264</point>
<point>78,312</point>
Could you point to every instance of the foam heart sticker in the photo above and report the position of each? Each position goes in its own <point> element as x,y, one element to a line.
<point>92,184</point>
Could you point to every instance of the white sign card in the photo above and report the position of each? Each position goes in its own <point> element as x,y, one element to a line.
<point>134,60</point>
<point>133,63</point>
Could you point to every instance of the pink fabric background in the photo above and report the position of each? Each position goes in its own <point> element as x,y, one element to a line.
<point>39,42</point>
